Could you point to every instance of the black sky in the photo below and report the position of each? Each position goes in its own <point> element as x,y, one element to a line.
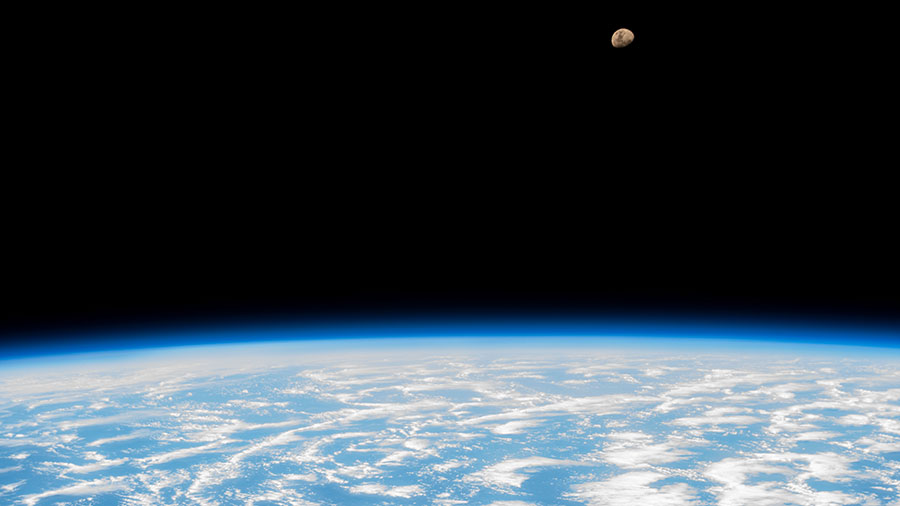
<point>82,280</point>
<point>352,164</point>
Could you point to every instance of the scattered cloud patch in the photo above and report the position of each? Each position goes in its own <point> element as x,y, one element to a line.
<point>80,489</point>
<point>634,488</point>
<point>512,473</point>
<point>378,489</point>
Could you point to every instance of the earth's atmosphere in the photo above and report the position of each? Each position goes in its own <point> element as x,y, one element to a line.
<point>381,422</point>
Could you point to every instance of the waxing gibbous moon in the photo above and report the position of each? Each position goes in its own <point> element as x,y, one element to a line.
<point>622,37</point>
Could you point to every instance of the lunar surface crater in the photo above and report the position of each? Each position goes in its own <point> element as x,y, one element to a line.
<point>622,38</point>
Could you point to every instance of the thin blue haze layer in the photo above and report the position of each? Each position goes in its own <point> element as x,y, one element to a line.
<point>813,332</point>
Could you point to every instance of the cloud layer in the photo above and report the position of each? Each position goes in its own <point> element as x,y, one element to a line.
<point>595,428</point>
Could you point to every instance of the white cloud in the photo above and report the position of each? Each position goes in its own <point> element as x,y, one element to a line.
<point>733,474</point>
<point>783,392</point>
<point>405,492</point>
<point>274,492</point>
<point>721,381</point>
<point>882,447</point>
<point>99,465</point>
<point>886,425</point>
<point>310,477</point>
<point>815,436</point>
<point>506,474</point>
<point>671,404</point>
<point>780,422</point>
<point>83,488</point>
<point>636,449</point>
<point>109,420</point>
<point>697,421</point>
<point>359,471</point>
<point>417,444</point>
<point>515,427</point>
<point>632,489</point>
<point>448,465</point>
<point>184,453</point>
<point>410,417</point>
<point>11,487</point>
<point>123,437</point>
<point>595,405</point>
<point>396,458</point>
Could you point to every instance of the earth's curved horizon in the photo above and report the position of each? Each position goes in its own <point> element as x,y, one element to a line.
<point>500,421</point>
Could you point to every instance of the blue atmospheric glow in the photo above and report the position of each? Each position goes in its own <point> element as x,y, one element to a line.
<point>784,332</point>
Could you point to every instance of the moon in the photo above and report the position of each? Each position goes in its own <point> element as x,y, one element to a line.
<point>622,37</point>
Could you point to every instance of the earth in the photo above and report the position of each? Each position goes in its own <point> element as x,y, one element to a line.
<point>499,422</point>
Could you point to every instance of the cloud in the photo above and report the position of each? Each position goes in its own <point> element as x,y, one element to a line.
<point>417,444</point>
<point>636,449</point>
<point>735,488</point>
<point>594,405</point>
<point>783,392</point>
<point>415,410</point>
<point>109,420</point>
<point>721,381</point>
<point>99,465</point>
<point>779,422</point>
<point>378,489</point>
<point>123,437</point>
<point>84,488</point>
<point>184,453</point>
<point>880,447</point>
<point>310,477</point>
<point>448,465</point>
<point>11,487</point>
<point>515,427</point>
<point>506,474</point>
<point>632,489</point>
<point>820,435</point>
<point>396,458</point>
<point>697,421</point>
<point>359,471</point>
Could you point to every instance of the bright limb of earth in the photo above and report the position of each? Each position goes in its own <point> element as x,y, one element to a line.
<point>501,422</point>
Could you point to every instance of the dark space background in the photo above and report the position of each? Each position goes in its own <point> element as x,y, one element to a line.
<point>773,85</point>
<point>455,84</point>
<point>91,288</point>
<point>215,166</point>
